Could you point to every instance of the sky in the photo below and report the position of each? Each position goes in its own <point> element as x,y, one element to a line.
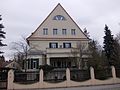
<point>21,17</point>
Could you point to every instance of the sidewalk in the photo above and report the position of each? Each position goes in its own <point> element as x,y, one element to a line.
<point>102,87</point>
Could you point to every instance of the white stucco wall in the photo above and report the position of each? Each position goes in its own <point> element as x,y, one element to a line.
<point>42,45</point>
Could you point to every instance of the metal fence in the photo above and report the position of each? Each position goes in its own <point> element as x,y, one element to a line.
<point>3,85</point>
<point>103,74</point>
<point>26,77</point>
<point>117,72</point>
<point>79,75</point>
<point>3,78</point>
<point>56,75</point>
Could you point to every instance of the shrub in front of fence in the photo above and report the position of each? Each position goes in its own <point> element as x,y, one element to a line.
<point>103,74</point>
<point>55,76</point>
<point>79,75</point>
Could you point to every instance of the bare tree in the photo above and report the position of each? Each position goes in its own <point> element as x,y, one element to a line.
<point>78,54</point>
<point>21,49</point>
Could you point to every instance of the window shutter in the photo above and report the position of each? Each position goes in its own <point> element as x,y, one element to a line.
<point>28,63</point>
<point>31,63</point>
<point>37,63</point>
<point>70,45</point>
<point>63,45</point>
<point>50,45</point>
<point>56,45</point>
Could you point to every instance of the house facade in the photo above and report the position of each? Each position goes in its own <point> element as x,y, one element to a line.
<point>52,42</point>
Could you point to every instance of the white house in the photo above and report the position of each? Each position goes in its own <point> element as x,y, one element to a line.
<point>51,43</point>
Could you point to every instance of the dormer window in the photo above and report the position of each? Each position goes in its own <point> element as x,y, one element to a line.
<point>59,17</point>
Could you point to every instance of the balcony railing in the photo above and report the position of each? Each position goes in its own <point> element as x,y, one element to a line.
<point>58,50</point>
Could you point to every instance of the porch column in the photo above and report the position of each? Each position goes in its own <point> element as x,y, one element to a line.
<point>48,60</point>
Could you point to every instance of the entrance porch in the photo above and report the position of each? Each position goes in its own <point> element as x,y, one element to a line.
<point>62,62</point>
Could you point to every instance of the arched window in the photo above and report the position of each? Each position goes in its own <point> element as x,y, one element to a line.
<point>59,17</point>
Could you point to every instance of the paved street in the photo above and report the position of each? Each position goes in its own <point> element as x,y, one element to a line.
<point>104,87</point>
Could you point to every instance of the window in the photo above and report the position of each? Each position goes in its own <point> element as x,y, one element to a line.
<point>34,64</point>
<point>54,31</point>
<point>59,17</point>
<point>67,45</point>
<point>64,31</point>
<point>45,31</point>
<point>73,32</point>
<point>53,45</point>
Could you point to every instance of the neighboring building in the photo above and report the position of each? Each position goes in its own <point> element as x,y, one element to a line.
<point>51,43</point>
<point>11,64</point>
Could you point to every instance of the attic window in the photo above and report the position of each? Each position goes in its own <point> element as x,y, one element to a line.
<point>59,17</point>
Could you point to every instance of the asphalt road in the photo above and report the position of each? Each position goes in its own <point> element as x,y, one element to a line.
<point>102,87</point>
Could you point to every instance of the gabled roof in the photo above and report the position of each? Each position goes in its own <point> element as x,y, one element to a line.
<point>59,5</point>
<point>6,63</point>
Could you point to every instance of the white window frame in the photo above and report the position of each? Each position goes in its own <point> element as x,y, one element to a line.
<point>64,31</point>
<point>55,31</point>
<point>45,31</point>
<point>34,64</point>
<point>54,45</point>
<point>73,31</point>
<point>59,17</point>
<point>67,45</point>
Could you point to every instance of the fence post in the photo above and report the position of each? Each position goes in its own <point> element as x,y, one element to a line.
<point>41,76</point>
<point>68,74</point>
<point>10,79</point>
<point>68,77</point>
<point>113,72</point>
<point>92,73</point>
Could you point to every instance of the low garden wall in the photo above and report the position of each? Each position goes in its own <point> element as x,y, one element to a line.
<point>66,83</point>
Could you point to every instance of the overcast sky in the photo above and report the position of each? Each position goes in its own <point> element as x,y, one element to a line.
<point>22,17</point>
